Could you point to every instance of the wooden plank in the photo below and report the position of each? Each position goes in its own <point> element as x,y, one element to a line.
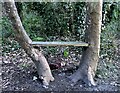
<point>59,43</point>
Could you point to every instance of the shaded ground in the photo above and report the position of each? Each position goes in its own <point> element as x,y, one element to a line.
<point>19,74</point>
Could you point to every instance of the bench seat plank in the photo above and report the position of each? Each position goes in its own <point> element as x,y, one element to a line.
<point>59,43</point>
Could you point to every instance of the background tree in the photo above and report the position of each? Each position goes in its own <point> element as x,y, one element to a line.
<point>89,60</point>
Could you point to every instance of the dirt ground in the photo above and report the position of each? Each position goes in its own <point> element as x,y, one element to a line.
<point>19,74</point>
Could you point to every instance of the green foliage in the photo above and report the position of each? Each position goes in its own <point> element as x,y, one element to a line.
<point>111,12</point>
<point>66,53</point>
<point>111,33</point>
<point>51,50</point>
<point>38,39</point>
<point>109,37</point>
<point>54,19</point>
<point>6,27</point>
<point>108,40</point>
<point>33,25</point>
<point>7,32</point>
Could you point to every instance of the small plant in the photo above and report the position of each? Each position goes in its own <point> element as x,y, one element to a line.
<point>66,53</point>
<point>38,39</point>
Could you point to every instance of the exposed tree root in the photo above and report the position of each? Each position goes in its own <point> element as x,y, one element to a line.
<point>85,76</point>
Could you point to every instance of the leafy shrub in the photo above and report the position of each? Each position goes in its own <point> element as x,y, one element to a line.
<point>108,40</point>
<point>6,27</point>
<point>7,32</point>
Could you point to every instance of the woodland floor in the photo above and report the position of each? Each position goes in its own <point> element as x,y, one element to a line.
<point>19,74</point>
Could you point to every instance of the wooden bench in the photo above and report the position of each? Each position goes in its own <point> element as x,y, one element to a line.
<point>60,43</point>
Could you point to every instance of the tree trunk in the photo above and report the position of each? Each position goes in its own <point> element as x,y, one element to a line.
<point>42,66</point>
<point>89,60</point>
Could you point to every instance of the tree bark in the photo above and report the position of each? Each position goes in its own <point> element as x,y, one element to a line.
<point>40,61</point>
<point>89,60</point>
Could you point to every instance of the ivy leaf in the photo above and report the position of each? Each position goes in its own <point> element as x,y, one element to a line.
<point>66,53</point>
<point>38,38</point>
